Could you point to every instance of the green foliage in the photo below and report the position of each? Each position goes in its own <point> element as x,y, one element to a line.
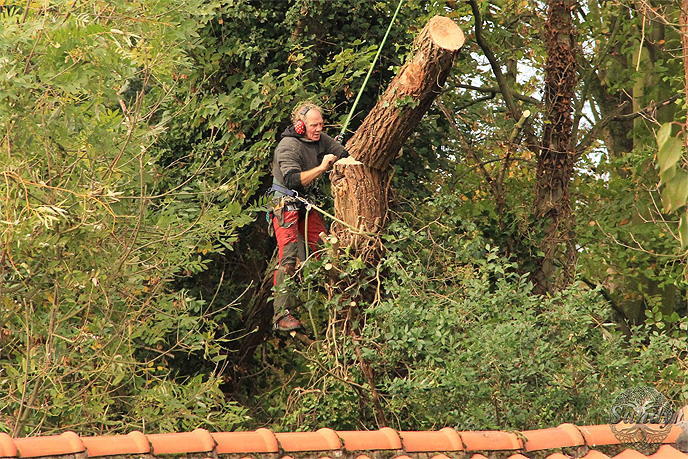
<point>454,336</point>
<point>94,230</point>
<point>136,140</point>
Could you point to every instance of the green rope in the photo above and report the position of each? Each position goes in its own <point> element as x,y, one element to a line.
<point>322,211</point>
<point>370,71</point>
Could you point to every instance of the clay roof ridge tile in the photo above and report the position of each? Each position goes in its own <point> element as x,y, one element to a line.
<point>261,440</point>
<point>141,441</point>
<point>196,441</point>
<point>668,452</point>
<point>584,445</point>
<point>207,440</point>
<point>135,442</point>
<point>491,440</point>
<point>7,446</point>
<point>75,441</point>
<point>385,438</point>
<point>51,445</point>
<point>443,440</point>
<point>324,439</point>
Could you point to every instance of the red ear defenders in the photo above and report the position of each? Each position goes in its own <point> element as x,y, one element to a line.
<point>300,126</point>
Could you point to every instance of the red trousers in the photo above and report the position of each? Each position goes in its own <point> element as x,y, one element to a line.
<point>294,229</point>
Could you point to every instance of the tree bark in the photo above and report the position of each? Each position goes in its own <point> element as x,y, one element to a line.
<point>359,183</point>
<point>552,206</point>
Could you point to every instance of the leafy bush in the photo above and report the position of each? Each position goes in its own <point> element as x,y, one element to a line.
<point>455,337</point>
<point>92,233</point>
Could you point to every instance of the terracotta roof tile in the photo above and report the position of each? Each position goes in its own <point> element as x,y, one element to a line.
<point>668,452</point>
<point>598,435</point>
<point>326,444</point>
<point>630,454</point>
<point>321,440</point>
<point>111,445</point>
<point>673,435</point>
<point>594,454</point>
<point>53,445</point>
<point>198,441</point>
<point>259,441</point>
<point>7,446</point>
<point>490,441</point>
<point>566,435</point>
<point>558,456</point>
<point>384,438</point>
<point>446,439</point>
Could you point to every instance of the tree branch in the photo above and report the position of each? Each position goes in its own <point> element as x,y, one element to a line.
<point>496,69</point>
<point>475,101</point>
<point>521,97</point>
<point>593,133</point>
<point>578,111</point>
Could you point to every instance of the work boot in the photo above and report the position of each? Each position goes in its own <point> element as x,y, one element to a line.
<point>287,323</point>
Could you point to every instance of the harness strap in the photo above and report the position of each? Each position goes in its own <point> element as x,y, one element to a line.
<point>284,190</point>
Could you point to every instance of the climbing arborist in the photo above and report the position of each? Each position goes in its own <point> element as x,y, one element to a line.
<point>303,155</point>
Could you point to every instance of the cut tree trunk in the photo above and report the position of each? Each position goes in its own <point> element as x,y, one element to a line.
<point>359,183</point>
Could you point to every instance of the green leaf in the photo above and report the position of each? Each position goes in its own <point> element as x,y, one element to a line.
<point>669,154</point>
<point>683,230</point>
<point>667,175</point>
<point>675,193</point>
<point>663,135</point>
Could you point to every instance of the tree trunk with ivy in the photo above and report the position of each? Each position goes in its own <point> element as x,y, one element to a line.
<point>552,207</point>
<point>360,182</point>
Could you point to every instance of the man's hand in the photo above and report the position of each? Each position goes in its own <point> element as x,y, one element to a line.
<point>308,176</point>
<point>328,161</point>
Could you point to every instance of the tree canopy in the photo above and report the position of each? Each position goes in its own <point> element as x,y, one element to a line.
<point>532,262</point>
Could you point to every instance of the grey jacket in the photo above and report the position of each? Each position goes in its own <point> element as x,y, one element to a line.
<point>295,154</point>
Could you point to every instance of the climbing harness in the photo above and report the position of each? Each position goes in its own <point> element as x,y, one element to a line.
<point>340,137</point>
<point>309,205</point>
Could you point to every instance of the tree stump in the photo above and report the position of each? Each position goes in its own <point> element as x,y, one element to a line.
<point>359,183</point>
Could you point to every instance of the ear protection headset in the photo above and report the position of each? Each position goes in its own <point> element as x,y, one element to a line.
<point>300,126</point>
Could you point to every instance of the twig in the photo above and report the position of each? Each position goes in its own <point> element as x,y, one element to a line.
<point>521,97</point>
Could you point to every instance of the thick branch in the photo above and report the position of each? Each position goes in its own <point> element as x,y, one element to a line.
<point>359,182</point>
<point>409,95</point>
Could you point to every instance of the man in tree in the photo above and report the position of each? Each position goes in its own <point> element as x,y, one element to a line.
<point>303,154</point>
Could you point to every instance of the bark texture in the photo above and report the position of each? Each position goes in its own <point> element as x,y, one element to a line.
<point>359,184</point>
<point>556,160</point>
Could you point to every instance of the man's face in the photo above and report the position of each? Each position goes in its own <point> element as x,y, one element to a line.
<point>314,125</point>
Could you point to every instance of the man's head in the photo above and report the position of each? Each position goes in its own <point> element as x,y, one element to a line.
<point>311,117</point>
